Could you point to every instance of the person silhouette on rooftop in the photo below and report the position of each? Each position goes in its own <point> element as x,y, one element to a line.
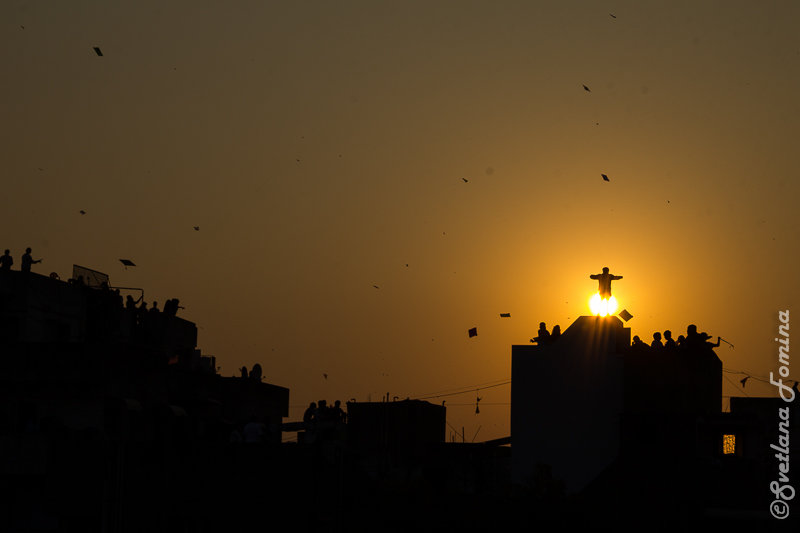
<point>692,339</point>
<point>604,282</point>
<point>337,411</point>
<point>141,312</point>
<point>638,345</point>
<point>669,342</point>
<point>696,341</point>
<point>556,333</point>
<point>656,344</point>
<point>27,261</point>
<point>542,335</point>
<point>130,303</point>
<point>704,337</point>
<point>6,260</point>
<point>323,411</point>
<point>310,416</point>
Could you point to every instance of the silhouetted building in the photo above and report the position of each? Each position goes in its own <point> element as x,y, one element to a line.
<point>666,393</point>
<point>114,421</point>
<point>566,402</point>
<point>640,431</point>
<point>392,433</point>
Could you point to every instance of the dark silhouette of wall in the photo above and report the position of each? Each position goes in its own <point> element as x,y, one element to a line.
<point>566,399</point>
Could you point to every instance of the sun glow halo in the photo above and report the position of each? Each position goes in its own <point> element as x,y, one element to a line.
<point>602,306</point>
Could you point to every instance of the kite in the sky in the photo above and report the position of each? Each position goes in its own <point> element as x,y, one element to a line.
<point>743,381</point>
<point>588,90</point>
<point>196,228</point>
<point>473,332</point>
<point>625,315</point>
<point>82,212</point>
<point>505,315</point>
<point>97,51</point>
<point>127,263</point>
<point>605,178</point>
<point>465,180</point>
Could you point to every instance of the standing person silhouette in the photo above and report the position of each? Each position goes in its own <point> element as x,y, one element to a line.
<point>604,282</point>
<point>6,260</point>
<point>27,261</point>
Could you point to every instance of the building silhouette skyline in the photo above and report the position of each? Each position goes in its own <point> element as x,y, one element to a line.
<point>126,425</point>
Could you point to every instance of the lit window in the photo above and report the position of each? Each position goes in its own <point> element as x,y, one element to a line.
<point>728,444</point>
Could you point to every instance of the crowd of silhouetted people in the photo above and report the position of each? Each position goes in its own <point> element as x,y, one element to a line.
<point>322,421</point>
<point>110,301</point>
<point>692,341</point>
<point>107,312</point>
<point>106,304</point>
<point>320,412</point>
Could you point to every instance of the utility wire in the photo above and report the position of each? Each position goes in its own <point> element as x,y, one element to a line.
<point>463,392</point>
<point>465,388</point>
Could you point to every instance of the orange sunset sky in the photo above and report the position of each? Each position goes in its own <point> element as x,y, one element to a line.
<point>322,146</point>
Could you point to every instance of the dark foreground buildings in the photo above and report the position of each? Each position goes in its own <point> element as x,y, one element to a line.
<point>638,434</point>
<point>111,418</point>
<point>113,421</point>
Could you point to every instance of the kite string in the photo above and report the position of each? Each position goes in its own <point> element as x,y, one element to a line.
<point>735,385</point>
<point>749,375</point>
